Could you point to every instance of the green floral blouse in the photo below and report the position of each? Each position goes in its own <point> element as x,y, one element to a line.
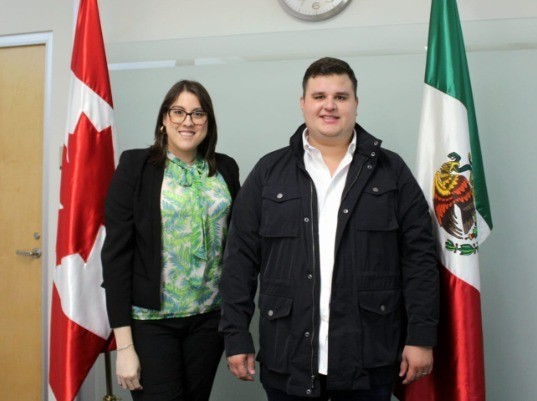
<point>194,210</point>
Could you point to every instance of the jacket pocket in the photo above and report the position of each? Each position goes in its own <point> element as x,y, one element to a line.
<point>280,211</point>
<point>376,230</point>
<point>376,207</point>
<point>381,326</point>
<point>274,331</point>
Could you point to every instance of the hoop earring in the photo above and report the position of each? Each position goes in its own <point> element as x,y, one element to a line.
<point>162,130</point>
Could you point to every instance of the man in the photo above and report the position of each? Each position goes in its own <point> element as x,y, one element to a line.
<point>338,233</point>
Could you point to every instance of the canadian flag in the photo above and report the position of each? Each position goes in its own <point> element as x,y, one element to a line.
<point>79,328</point>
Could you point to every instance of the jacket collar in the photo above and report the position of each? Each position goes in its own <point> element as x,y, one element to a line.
<point>366,144</point>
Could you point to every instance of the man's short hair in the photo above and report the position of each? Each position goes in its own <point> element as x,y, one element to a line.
<point>329,66</point>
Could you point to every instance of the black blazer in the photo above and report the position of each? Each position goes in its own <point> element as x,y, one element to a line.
<point>132,251</point>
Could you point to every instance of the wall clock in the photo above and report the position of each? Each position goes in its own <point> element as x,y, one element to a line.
<point>314,10</point>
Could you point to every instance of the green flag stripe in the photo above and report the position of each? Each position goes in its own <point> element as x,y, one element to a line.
<point>447,71</point>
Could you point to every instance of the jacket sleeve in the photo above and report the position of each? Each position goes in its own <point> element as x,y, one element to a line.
<point>229,169</point>
<point>118,248</point>
<point>418,261</point>
<point>238,283</point>
<point>236,179</point>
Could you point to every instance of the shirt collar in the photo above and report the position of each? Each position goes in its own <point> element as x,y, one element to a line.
<point>198,161</point>
<point>308,148</point>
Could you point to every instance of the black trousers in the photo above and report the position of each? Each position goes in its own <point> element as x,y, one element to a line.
<point>178,357</point>
<point>375,393</point>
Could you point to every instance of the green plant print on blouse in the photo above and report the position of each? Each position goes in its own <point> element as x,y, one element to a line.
<point>194,212</point>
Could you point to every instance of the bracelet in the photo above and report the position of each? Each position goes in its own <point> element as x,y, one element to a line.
<point>125,347</point>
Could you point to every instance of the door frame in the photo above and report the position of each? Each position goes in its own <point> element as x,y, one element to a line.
<point>42,38</point>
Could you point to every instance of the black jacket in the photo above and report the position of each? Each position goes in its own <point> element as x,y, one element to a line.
<point>385,279</point>
<point>132,251</point>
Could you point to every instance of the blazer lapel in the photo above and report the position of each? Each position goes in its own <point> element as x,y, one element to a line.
<point>155,176</point>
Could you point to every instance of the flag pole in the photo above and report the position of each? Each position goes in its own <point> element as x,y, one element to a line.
<point>108,372</point>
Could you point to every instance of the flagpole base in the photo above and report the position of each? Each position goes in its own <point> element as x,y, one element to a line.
<point>111,398</point>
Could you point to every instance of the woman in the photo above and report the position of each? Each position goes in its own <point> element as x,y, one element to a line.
<point>166,215</point>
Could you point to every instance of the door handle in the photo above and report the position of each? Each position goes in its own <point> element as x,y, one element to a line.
<point>34,253</point>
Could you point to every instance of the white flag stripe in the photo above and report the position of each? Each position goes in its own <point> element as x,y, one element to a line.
<point>82,303</point>
<point>464,267</point>
<point>85,100</point>
<point>483,228</point>
<point>444,129</point>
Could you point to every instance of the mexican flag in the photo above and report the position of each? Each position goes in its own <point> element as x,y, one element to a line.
<point>79,328</point>
<point>450,172</point>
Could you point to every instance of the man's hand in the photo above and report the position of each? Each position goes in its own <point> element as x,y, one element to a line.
<point>417,363</point>
<point>242,366</point>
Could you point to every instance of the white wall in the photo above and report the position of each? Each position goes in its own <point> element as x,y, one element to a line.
<point>139,20</point>
<point>257,110</point>
<point>384,41</point>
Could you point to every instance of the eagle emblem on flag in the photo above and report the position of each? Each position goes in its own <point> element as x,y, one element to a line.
<point>454,205</point>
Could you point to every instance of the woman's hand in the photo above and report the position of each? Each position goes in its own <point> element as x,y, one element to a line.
<point>128,369</point>
<point>127,362</point>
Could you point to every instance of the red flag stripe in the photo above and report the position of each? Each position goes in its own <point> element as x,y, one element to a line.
<point>458,373</point>
<point>72,349</point>
<point>89,58</point>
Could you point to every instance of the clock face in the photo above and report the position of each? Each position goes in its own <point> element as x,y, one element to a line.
<point>313,10</point>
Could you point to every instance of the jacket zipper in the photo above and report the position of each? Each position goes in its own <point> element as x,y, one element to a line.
<point>312,369</point>
<point>312,377</point>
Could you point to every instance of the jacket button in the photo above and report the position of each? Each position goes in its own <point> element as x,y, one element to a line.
<point>306,219</point>
<point>369,166</point>
<point>376,143</point>
<point>307,334</point>
<point>310,276</point>
<point>345,211</point>
<point>279,196</point>
<point>382,308</point>
<point>375,189</point>
<point>308,392</point>
<point>270,312</point>
<point>373,154</point>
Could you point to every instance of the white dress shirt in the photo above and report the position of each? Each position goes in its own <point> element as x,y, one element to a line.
<point>329,191</point>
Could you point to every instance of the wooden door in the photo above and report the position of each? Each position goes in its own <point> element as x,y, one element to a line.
<point>22,77</point>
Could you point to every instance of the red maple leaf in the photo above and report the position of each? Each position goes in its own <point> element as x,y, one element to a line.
<point>87,168</point>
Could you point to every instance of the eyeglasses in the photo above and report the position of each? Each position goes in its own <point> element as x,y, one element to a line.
<point>177,116</point>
